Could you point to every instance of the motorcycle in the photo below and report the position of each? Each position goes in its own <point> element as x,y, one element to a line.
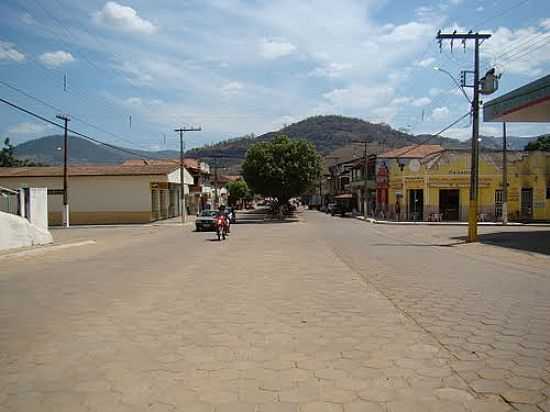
<point>221,228</point>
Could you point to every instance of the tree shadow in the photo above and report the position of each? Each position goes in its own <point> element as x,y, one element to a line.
<point>530,241</point>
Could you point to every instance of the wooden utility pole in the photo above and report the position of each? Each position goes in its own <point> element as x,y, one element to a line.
<point>183,208</point>
<point>504,176</point>
<point>66,120</point>
<point>474,169</point>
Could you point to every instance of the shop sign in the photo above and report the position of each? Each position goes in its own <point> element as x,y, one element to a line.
<point>456,182</point>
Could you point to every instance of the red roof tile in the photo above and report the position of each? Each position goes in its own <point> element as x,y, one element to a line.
<point>91,170</point>
<point>413,151</point>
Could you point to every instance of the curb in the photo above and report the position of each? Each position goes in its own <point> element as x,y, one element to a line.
<point>391,222</point>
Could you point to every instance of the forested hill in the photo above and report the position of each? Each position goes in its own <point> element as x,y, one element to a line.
<point>327,133</point>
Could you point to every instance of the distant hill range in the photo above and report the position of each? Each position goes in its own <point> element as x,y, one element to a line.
<point>327,133</point>
<point>49,150</point>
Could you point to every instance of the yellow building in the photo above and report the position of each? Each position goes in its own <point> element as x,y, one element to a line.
<point>433,184</point>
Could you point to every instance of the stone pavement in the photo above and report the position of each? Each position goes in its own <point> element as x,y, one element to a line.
<point>270,320</point>
<point>488,307</point>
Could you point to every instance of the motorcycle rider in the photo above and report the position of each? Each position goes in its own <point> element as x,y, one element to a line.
<point>223,215</point>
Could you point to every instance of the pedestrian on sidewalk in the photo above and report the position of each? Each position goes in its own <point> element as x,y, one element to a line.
<point>397,210</point>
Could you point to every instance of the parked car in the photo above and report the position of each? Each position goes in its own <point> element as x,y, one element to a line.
<point>206,221</point>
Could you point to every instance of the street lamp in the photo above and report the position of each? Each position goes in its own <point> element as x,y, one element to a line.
<point>439,69</point>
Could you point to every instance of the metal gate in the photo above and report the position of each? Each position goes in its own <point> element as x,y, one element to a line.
<point>527,203</point>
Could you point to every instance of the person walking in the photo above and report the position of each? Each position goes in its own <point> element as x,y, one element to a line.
<point>397,209</point>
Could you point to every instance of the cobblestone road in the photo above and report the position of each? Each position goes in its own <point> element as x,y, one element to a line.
<point>489,307</point>
<point>270,320</point>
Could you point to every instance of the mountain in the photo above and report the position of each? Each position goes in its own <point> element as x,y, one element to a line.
<point>327,133</point>
<point>49,150</point>
<point>513,142</point>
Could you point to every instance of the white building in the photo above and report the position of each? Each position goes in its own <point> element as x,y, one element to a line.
<point>101,194</point>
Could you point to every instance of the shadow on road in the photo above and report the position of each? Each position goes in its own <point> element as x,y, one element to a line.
<point>421,244</point>
<point>530,241</point>
<point>262,216</point>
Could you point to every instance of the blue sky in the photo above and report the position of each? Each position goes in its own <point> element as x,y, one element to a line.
<point>250,66</point>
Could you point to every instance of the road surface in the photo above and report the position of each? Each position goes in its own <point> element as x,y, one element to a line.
<point>326,314</point>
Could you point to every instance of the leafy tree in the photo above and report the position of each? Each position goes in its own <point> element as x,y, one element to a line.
<point>542,143</point>
<point>281,168</point>
<point>8,159</point>
<point>238,190</point>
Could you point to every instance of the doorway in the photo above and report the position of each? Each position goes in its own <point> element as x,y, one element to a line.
<point>449,204</point>
<point>527,203</point>
<point>416,204</point>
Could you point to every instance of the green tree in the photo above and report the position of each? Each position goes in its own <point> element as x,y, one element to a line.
<point>281,168</point>
<point>542,143</point>
<point>7,158</point>
<point>238,190</point>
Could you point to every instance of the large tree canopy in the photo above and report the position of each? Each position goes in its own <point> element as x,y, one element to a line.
<point>542,143</point>
<point>282,168</point>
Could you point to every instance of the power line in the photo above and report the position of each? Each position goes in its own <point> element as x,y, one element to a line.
<point>85,136</point>
<point>87,123</point>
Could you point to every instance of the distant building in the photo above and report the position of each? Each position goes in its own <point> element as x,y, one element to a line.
<point>200,191</point>
<point>106,194</point>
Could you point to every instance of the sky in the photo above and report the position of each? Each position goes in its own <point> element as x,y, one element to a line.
<point>235,67</point>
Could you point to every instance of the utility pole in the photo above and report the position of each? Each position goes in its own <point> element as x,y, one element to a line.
<point>365,188</point>
<point>183,208</point>
<point>66,120</point>
<point>474,171</point>
<point>504,176</point>
<point>365,176</point>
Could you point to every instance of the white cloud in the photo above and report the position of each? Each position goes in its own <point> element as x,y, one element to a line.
<point>523,51</point>
<point>273,49</point>
<point>440,113</point>
<point>455,2</point>
<point>480,8</point>
<point>57,58</point>
<point>545,24</point>
<point>331,70</point>
<point>232,88</point>
<point>358,97</point>
<point>422,101</point>
<point>123,18</point>
<point>434,91</point>
<point>427,62</point>
<point>27,18</point>
<point>8,52</point>
<point>28,129</point>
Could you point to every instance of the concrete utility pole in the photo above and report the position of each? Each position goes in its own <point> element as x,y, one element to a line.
<point>504,176</point>
<point>66,120</point>
<point>183,208</point>
<point>474,173</point>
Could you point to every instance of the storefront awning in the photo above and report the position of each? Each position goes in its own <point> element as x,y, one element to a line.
<point>529,103</point>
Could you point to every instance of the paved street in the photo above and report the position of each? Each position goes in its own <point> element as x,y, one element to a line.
<point>327,314</point>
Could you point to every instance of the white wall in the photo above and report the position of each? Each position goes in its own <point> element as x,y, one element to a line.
<point>38,201</point>
<point>94,193</point>
<point>19,232</point>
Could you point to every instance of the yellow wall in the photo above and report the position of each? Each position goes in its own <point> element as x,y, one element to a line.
<point>452,171</point>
